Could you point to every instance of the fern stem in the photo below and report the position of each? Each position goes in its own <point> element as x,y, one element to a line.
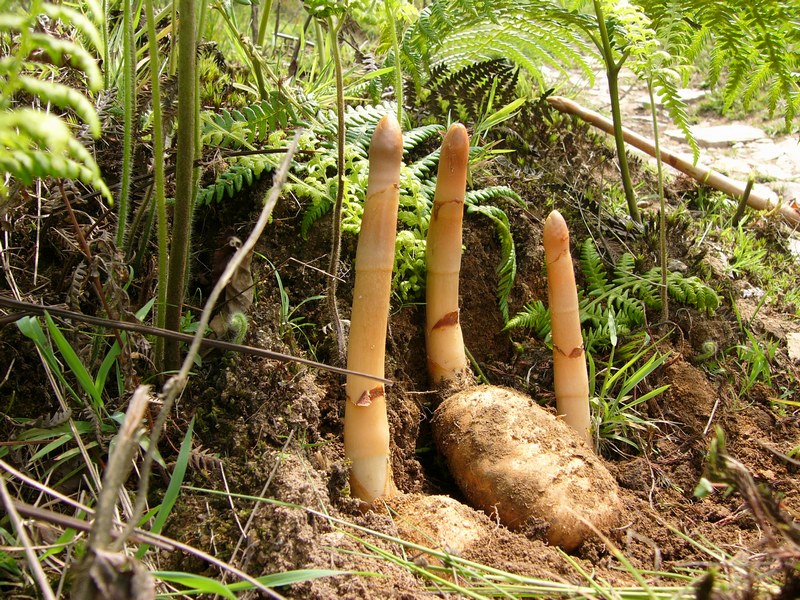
<point>262,26</point>
<point>662,206</point>
<point>737,216</point>
<point>106,51</point>
<point>612,72</point>
<point>129,114</point>
<point>398,72</point>
<point>184,179</point>
<point>336,221</point>
<point>158,178</point>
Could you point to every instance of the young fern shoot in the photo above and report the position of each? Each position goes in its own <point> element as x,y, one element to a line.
<point>366,425</point>
<point>569,357</point>
<point>447,361</point>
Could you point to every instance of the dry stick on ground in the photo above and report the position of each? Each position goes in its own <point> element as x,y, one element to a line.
<point>447,361</point>
<point>140,535</point>
<point>33,560</point>
<point>115,474</point>
<point>701,173</point>
<point>366,425</point>
<point>27,308</point>
<point>176,384</point>
<point>571,380</point>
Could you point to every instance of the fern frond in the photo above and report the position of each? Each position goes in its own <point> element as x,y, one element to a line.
<point>625,299</point>
<point>73,18</point>
<point>534,316</point>
<point>666,86</point>
<point>492,193</point>
<point>416,137</point>
<point>250,125</point>
<point>593,269</point>
<point>320,207</point>
<point>63,96</point>
<point>79,57</point>
<point>361,120</point>
<point>426,166</point>
<point>36,145</point>
<point>753,46</point>
<point>507,269</point>
<point>530,33</point>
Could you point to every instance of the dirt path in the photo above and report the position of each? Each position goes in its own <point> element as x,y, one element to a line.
<point>735,147</point>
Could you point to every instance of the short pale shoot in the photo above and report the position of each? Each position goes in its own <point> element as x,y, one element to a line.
<point>569,358</point>
<point>366,426</point>
<point>447,360</point>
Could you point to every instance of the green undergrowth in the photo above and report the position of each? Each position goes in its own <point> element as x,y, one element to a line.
<point>619,294</point>
<point>312,179</point>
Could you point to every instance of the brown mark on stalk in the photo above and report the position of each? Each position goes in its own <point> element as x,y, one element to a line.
<point>369,395</point>
<point>439,205</point>
<point>575,353</point>
<point>448,320</point>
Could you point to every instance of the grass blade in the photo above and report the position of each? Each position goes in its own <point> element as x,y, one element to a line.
<point>173,489</point>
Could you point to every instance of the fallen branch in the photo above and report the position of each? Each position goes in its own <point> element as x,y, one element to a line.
<point>701,173</point>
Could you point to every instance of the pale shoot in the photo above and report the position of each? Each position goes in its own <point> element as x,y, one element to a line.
<point>569,357</point>
<point>447,362</point>
<point>366,426</point>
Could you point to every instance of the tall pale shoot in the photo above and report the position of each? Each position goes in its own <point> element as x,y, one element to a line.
<point>366,426</point>
<point>569,357</point>
<point>447,360</point>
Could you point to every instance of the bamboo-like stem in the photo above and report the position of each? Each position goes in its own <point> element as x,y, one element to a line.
<point>184,178</point>
<point>701,173</point>
<point>158,178</point>
<point>569,357</point>
<point>447,361</point>
<point>366,425</point>
<point>336,220</point>
<point>612,73</point>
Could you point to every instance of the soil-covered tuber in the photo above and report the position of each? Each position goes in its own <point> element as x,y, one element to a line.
<point>512,458</point>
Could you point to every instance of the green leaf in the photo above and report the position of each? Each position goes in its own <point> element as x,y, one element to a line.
<point>74,362</point>
<point>174,487</point>
<point>196,584</point>
<point>291,577</point>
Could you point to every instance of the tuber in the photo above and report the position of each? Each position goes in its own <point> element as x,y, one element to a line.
<point>508,455</point>
<point>512,458</point>
<point>366,425</point>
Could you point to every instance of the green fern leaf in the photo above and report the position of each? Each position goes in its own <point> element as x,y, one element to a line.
<point>593,269</point>
<point>507,269</point>
<point>63,96</point>
<point>534,316</point>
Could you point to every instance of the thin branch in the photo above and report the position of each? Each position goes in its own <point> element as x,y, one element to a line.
<point>703,174</point>
<point>142,536</point>
<point>33,560</point>
<point>27,308</point>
